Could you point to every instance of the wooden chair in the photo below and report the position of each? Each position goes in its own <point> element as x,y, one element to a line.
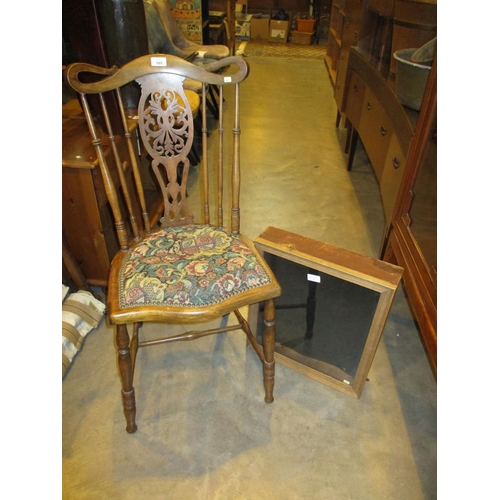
<point>179,272</point>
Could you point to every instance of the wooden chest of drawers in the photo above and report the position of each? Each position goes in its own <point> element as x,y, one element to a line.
<point>87,220</point>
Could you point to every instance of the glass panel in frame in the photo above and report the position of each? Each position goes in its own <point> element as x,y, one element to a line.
<point>333,307</point>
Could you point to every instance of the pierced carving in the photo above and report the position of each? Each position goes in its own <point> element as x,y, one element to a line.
<point>166,127</point>
<point>166,117</point>
<point>166,123</point>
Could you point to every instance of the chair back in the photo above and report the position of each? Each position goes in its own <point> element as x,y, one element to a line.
<point>164,118</point>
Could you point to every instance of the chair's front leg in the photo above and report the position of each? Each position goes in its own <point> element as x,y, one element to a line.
<point>126,369</point>
<point>268,339</point>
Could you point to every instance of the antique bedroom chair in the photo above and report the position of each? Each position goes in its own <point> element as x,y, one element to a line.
<point>179,272</point>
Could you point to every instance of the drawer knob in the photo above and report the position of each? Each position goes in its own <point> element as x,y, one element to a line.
<point>395,162</point>
<point>382,130</point>
<point>355,88</point>
<point>368,106</point>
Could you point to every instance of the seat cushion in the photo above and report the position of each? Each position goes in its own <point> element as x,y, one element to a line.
<point>189,266</point>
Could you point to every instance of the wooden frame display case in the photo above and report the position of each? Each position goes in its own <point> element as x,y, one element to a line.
<point>332,311</point>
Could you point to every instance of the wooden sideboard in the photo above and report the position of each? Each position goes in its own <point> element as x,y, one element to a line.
<point>401,143</point>
<point>374,114</point>
<point>402,147</point>
<point>363,36</point>
<point>345,26</point>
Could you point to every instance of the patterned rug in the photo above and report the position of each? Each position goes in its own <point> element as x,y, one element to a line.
<point>283,50</point>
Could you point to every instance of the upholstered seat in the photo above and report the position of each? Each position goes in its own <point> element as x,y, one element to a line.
<point>193,266</point>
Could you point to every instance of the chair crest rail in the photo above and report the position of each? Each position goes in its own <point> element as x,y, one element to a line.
<point>155,63</point>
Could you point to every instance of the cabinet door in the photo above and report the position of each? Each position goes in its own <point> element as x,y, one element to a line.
<point>392,175</point>
<point>375,130</point>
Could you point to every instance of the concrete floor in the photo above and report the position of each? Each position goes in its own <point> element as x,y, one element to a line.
<point>204,429</point>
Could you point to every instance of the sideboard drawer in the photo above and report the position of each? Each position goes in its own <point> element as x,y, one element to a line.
<point>392,175</point>
<point>354,99</point>
<point>375,130</point>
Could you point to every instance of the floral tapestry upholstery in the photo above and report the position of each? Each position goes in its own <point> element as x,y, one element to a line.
<point>191,266</point>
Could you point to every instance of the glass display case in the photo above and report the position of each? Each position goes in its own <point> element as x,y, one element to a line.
<point>332,310</point>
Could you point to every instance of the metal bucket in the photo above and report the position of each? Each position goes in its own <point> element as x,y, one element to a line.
<point>411,79</point>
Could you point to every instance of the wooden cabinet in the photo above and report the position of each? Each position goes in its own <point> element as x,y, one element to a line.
<point>87,221</point>
<point>412,238</point>
<point>374,114</point>
<point>365,83</point>
<point>345,24</point>
<point>400,142</point>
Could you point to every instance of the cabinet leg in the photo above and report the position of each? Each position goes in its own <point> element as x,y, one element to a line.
<point>352,147</point>
<point>348,140</point>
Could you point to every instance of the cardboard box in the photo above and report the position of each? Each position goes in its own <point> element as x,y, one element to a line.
<point>278,31</point>
<point>259,29</point>
<point>243,26</point>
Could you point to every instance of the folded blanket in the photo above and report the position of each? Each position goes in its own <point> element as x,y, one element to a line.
<point>81,313</point>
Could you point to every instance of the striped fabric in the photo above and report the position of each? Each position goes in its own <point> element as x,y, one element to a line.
<point>81,313</point>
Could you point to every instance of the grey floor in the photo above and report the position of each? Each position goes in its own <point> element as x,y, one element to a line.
<point>204,431</point>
